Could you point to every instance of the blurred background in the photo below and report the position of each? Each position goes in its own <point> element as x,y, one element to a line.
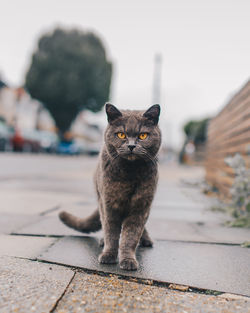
<point>61,61</point>
<point>189,56</point>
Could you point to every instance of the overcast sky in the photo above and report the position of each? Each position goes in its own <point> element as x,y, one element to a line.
<point>205,48</point>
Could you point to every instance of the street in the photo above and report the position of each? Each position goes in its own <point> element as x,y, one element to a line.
<point>192,247</point>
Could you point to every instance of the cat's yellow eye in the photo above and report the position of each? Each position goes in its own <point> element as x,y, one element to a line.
<point>143,136</point>
<point>121,135</point>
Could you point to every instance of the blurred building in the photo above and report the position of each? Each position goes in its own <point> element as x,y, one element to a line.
<point>87,129</point>
<point>7,104</point>
<point>23,112</point>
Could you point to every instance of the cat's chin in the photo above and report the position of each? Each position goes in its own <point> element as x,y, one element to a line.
<point>132,157</point>
<point>129,157</point>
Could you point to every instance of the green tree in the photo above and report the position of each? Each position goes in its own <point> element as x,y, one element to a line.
<point>69,72</point>
<point>196,130</point>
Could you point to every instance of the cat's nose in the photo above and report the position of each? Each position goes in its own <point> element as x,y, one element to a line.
<point>131,147</point>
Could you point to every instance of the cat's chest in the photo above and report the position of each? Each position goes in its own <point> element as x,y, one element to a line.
<point>124,183</point>
<point>121,185</point>
<point>129,176</point>
<point>119,193</point>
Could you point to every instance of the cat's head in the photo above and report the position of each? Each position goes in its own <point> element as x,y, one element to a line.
<point>133,134</point>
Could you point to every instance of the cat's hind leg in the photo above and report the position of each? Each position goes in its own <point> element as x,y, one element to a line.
<point>89,224</point>
<point>145,240</point>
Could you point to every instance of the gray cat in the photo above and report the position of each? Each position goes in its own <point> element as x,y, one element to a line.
<point>125,180</point>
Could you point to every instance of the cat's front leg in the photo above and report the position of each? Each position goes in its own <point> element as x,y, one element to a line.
<point>132,229</point>
<point>112,227</point>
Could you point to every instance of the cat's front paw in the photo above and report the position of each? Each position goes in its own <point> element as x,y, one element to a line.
<point>129,264</point>
<point>107,258</point>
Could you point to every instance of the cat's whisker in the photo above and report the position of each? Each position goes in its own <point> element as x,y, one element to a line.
<point>147,155</point>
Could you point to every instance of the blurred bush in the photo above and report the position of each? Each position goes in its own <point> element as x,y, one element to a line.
<point>193,149</point>
<point>196,130</point>
<point>240,191</point>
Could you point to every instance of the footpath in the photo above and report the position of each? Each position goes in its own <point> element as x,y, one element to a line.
<point>196,265</point>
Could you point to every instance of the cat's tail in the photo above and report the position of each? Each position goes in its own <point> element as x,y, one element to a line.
<point>85,225</point>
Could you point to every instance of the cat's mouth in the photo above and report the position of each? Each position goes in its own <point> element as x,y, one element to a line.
<point>131,156</point>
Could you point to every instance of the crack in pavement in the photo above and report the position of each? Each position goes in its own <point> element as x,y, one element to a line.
<point>63,293</point>
<point>50,210</point>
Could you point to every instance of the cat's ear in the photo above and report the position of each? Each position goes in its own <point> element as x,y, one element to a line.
<point>112,112</point>
<point>153,113</point>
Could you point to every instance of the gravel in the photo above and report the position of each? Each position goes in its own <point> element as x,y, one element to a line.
<point>95,293</point>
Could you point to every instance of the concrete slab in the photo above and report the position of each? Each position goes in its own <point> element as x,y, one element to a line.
<point>59,184</point>
<point>200,231</point>
<point>16,201</point>
<point>25,247</point>
<point>29,286</point>
<point>160,209</point>
<point>216,267</point>
<point>12,222</point>
<point>176,211</point>
<point>43,165</point>
<point>48,226</point>
<point>171,194</point>
<point>80,208</point>
<point>159,228</point>
<point>26,202</point>
<point>94,293</point>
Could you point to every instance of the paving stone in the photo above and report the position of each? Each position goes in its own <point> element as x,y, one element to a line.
<point>189,213</point>
<point>200,231</point>
<point>174,172</point>
<point>34,202</point>
<point>230,296</point>
<point>60,185</point>
<point>48,226</point>
<point>172,194</point>
<point>94,293</point>
<point>171,211</point>
<point>216,267</point>
<point>78,208</point>
<point>26,202</point>
<point>30,286</point>
<point>42,165</point>
<point>25,247</point>
<point>159,228</point>
<point>12,222</point>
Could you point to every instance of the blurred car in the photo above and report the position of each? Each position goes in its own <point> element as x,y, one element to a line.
<point>88,147</point>
<point>27,140</point>
<point>48,141</point>
<point>6,134</point>
<point>68,147</point>
<point>91,149</point>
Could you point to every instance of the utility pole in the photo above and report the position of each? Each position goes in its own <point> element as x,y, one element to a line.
<point>166,126</point>
<point>156,97</point>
